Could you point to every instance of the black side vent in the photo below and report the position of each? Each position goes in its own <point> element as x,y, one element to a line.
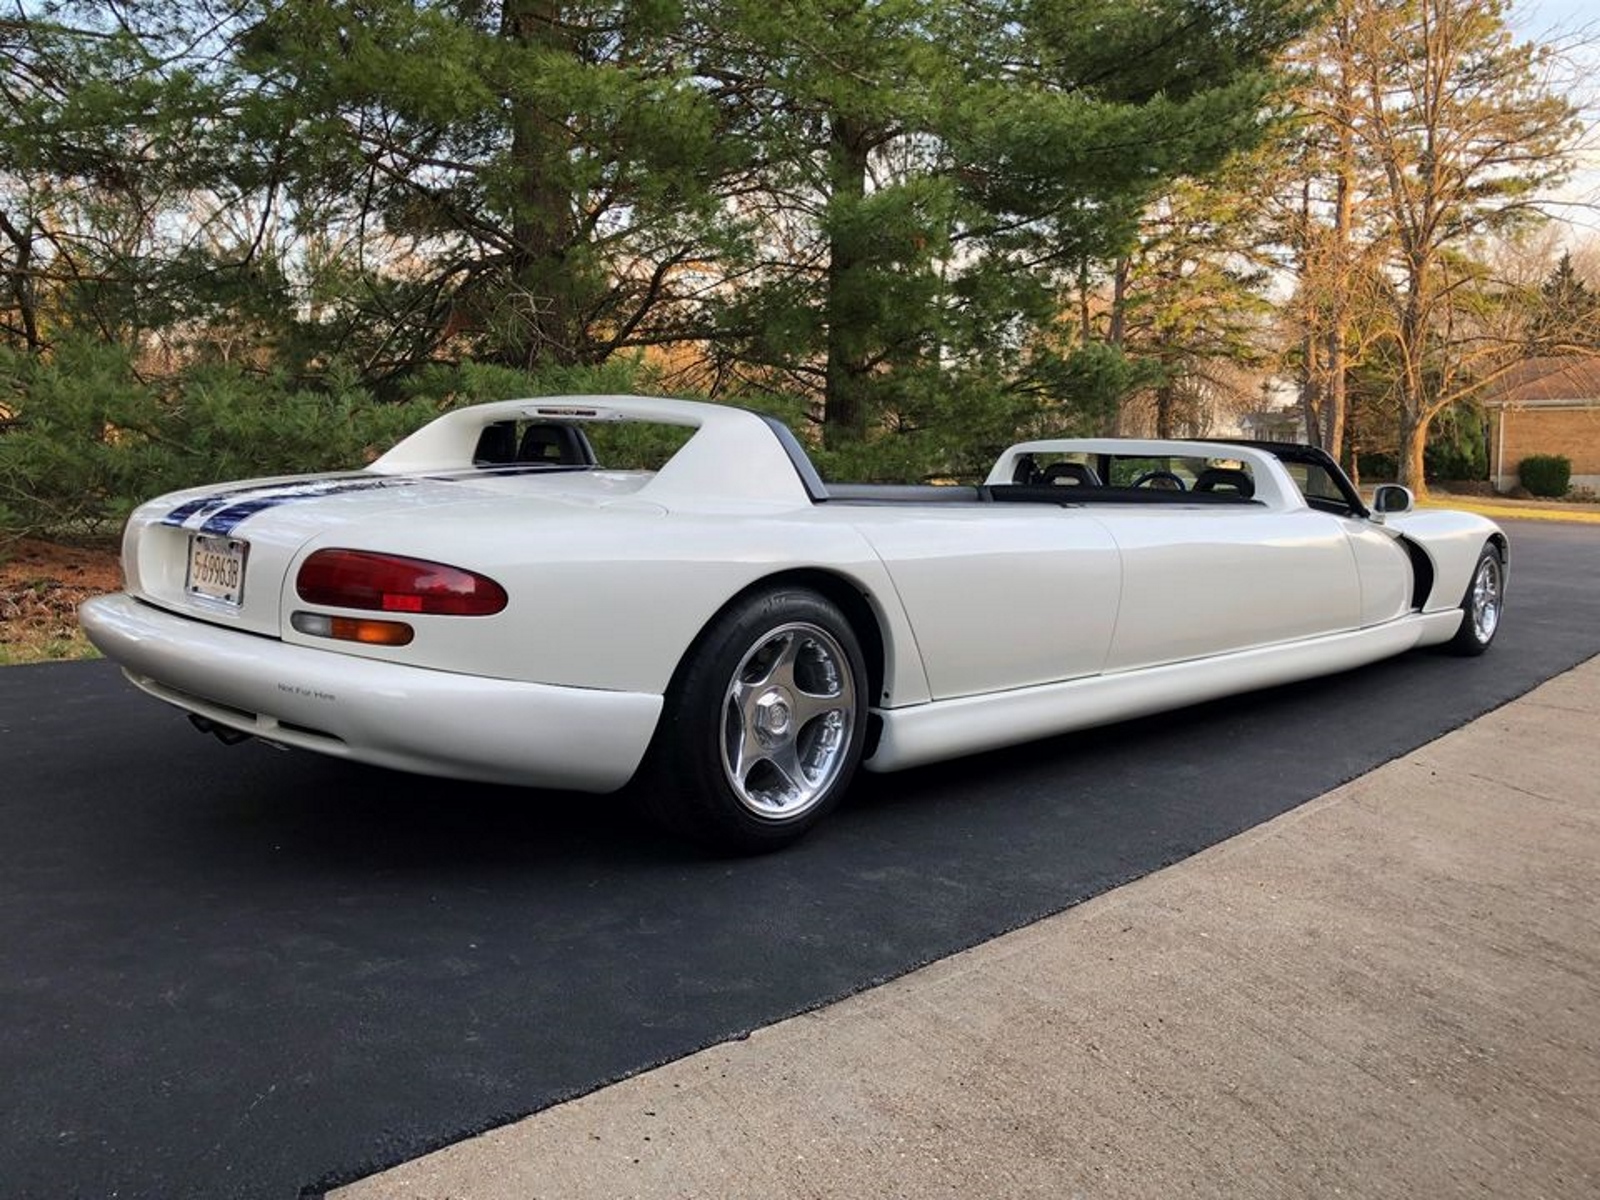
<point>1421,573</point>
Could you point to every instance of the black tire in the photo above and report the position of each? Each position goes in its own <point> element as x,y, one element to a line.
<point>763,725</point>
<point>1482,606</point>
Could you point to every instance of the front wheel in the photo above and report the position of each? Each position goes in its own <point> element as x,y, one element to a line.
<point>763,726</point>
<point>1482,605</point>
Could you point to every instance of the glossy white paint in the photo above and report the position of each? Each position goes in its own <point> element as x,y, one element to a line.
<point>605,598</point>
<point>934,732</point>
<point>1000,596</point>
<point>736,459</point>
<point>1452,540</point>
<point>409,718</point>
<point>1209,580</point>
<point>1383,568</point>
<point>999,622</point>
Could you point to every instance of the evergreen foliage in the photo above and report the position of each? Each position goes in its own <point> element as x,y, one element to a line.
<point>916,229</point>
<point>87,438</point>
<point>1565,316</point>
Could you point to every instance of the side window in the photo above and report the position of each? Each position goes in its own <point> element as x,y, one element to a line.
<point>1318,487</point>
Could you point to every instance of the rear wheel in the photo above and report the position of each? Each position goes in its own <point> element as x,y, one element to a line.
<point>763,725</point>
<point>1482,605</point>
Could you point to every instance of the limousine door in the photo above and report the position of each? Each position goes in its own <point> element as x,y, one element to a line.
<point>1203,581</point>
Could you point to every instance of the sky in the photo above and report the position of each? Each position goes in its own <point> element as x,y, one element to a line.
<point>1541,16</point>
<point>1574,26</point>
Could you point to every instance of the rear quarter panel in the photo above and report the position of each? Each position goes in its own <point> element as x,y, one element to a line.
<point>612,598</point>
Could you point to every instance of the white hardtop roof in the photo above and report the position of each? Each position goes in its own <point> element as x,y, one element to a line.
<point>734,454</point>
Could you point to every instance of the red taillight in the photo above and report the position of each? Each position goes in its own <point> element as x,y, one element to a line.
<point>392,583</point>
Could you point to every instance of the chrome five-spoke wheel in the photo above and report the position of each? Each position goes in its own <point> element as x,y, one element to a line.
<point>1482,605</point>
<point>763,725</point>
<point>788,720</point>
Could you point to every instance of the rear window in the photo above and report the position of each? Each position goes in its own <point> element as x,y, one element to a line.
<point>611,445</point>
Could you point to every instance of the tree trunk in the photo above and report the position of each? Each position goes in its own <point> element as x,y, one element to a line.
<point>1343,224</point>
<point>1333,409</point>
<point>1119,302</point>
<point>23,291</point>
<point>849,300</point>
<point>1352,446</point>
<point>1085,323</point>
<point>1415,413</point>
<point>539,319</point>
<point>1311,389</point>
<point>1413,441</point>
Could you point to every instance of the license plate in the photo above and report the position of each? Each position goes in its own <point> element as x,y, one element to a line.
<point>216,568</point>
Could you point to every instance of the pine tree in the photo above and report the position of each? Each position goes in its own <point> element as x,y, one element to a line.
<point>935,176</point>
<point>532,179</point>
<point>1565,317</point>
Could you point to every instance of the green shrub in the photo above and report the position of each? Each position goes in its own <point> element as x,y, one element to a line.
<point>1378,465</point>
<point>1445,460</point>
<point>1546,474</point>
<point>83,440</point>
<point>1457,446</point>
<point>86,440</point>
<point>78,448</point>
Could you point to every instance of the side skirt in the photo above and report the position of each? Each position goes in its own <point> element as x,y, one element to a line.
<point>944,729</point>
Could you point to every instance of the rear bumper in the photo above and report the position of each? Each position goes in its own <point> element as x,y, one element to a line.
<point>408,718</point>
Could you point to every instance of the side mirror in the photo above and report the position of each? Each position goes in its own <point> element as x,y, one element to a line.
<point>1391,498</point>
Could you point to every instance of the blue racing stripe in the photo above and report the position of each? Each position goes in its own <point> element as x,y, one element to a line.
<point>190,509</point>
<point>228,519</point>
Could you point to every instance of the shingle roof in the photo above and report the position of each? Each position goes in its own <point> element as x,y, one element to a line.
<point>1535,380</point>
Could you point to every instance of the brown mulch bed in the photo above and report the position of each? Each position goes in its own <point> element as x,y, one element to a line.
<point>41,586</point>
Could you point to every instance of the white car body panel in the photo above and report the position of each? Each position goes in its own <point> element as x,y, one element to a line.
<point>430,722</point>
<point>1383,569</point>
<point>1200,583</point>
<point>1050,579</point>
<point>1452,540</point>
<point>932,732</point>
<point>997,622</point>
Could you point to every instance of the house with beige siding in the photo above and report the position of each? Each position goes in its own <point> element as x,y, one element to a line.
<point>1545,406</point>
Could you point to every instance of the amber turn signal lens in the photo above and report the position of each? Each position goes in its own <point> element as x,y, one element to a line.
<point>354,629</point>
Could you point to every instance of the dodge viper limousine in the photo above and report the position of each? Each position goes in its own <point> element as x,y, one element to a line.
<point>732,636</point>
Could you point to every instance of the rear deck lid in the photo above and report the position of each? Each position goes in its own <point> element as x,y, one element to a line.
<point>222,554</point>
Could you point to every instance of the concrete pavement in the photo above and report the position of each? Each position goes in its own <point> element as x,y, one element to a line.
<point>1393,990</point>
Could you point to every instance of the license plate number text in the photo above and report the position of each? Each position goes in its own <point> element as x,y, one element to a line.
<point>216,568</point>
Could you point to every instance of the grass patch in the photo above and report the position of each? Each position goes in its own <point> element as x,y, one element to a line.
<point>1511,512</point>
<point>16,652</point>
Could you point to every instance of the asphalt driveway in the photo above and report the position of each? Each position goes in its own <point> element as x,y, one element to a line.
<point>249,973</point>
